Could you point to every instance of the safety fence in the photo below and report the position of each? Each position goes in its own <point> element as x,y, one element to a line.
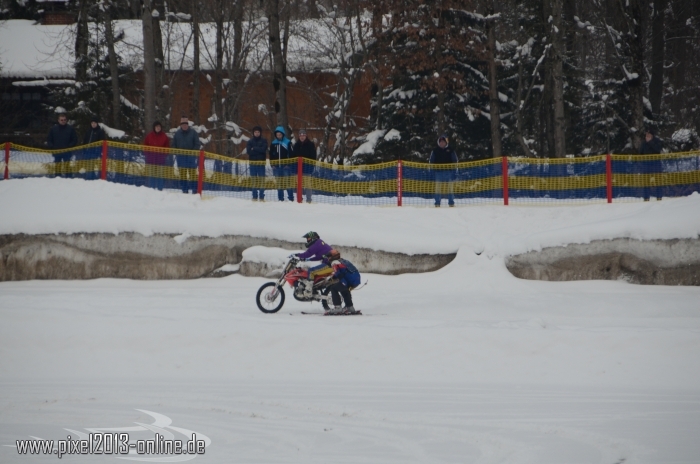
<point>506,180</point>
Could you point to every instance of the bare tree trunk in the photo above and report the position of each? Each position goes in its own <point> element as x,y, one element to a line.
<point>159,59</point>
<point>218,73</point>
<point>559,121</point>
<point>636,83</point>
<point>113,68</point>
<point>519,112</point>
<point>656,85</point>
<point>195,73</point>
<point>374,66</point>
<point>149,67</point>
<point>279,70</point>
<point>81,42</point>
<point>495,104</point>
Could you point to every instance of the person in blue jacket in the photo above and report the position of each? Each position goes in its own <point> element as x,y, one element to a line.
<point>280,151</point>
<point>444,155</point>
<point>62,136</point>
<point>348,278</point>
<point>257,151</point>
<point>187,138</point>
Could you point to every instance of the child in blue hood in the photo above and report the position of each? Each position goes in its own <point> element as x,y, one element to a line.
<point>281,150</point>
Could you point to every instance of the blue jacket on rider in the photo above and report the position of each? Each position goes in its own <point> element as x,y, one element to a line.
<point>346,273</point>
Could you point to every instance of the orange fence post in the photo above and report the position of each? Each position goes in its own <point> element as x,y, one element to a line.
<point>505,179</point>
<point>7,160</point>
<point>300,178</point>
<point>399,184</point>
<point>608,175</point>
<point>200,180</point>
<point>103,169</point>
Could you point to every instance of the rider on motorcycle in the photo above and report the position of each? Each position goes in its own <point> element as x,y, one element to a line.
<point>316,249</point>
<point>348,278</point>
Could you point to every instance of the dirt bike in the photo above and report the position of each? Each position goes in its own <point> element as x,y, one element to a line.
<point>270,297</point>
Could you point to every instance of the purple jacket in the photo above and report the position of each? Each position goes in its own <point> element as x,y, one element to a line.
<point>316,251</point>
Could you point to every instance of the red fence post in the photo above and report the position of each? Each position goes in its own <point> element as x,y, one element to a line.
<point>7,160</point>
<point>200,177</point>
<point>300,177</point>
<point>103,169</point>
<point>504,161</point>
<point>399,183</point>
<point>608,176</point>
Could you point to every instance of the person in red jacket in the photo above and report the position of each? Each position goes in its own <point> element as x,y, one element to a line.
<point>156,160</point>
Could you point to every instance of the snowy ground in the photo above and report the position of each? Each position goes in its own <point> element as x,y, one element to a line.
<point>466,364</point>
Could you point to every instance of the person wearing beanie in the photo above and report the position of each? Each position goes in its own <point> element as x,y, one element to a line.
<point>95,133</point>
<point>280,151</point>
<point>90,158</point>
<point>187,138</point>
<point>443,157</point>
<point>157,160</point>
<point>305,148</point>
<point>256,148</point>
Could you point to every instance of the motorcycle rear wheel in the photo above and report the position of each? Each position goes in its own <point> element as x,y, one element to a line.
<point>266,302</point>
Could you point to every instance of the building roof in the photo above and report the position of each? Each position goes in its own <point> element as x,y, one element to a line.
<point>30,51</point>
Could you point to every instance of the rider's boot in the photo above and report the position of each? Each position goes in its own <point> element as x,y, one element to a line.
<point>335,310</point>
<point>308,288</point>
<point>350,310</point>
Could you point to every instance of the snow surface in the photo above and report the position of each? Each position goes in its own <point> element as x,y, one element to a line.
<point>466,364</point>
<point>97,206</point>
<point>274,257</point>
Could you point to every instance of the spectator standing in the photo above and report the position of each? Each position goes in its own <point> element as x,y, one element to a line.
<point>280,151</point>
<point>187,138</point>
<point>92,156</point>
<point>651,146</point>
<point>305,148</point>
<point>95,133</point>
<point>156,160</point>
<point>257,151</point>
<point>443,155</point>
<point>62,136</point>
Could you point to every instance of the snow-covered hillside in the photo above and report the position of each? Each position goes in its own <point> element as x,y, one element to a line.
<point>466,364</point>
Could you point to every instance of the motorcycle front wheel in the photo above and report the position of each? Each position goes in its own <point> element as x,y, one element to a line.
<point>270,298</point>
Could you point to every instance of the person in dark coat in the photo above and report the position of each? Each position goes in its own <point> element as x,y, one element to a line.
<point>651,146</point>
<point>91,157</point>
<point>444,155</point>
<point>187,138</point>
<point>62,136</point>
<point>305,148</point>
<point>156,160</point>
<point>257,151</point>
<point>95,133</point>
<point>281,151</point>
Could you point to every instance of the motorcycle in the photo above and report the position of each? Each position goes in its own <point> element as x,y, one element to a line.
<point>270,297</point>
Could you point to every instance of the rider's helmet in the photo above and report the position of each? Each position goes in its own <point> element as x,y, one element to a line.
<point>332,255</point>
<point>310,237</point>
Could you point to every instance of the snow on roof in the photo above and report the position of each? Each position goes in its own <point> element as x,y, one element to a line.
<point>29,50</point>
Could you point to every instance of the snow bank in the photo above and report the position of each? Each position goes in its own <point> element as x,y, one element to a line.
<point>48,206</point>
<point>269,255</point>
